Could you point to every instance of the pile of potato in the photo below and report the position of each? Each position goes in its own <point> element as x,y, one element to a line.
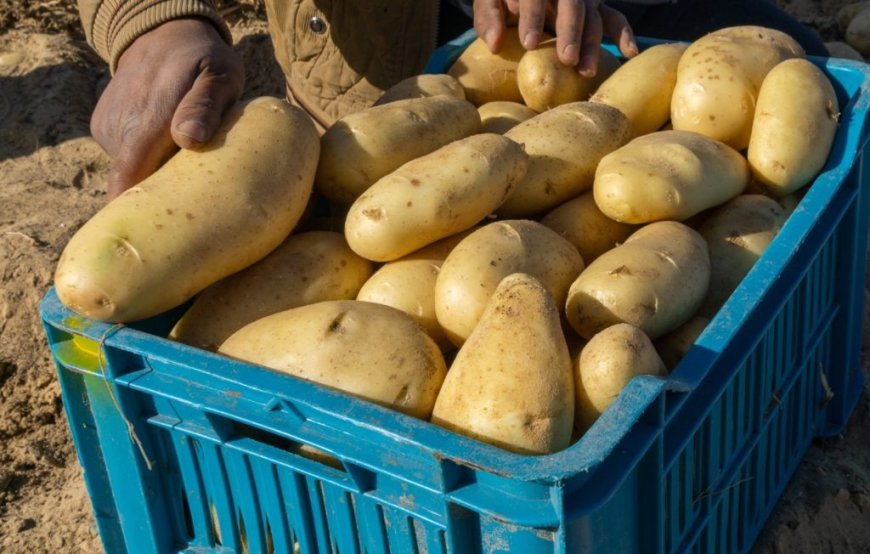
<point>499,249</point>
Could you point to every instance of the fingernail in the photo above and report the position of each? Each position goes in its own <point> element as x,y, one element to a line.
<point>570,54</point>
<point>530,41</point>
<point>632,47</point>
<point>587,66</point>
<point>193,130</point>
<point>489,37</point>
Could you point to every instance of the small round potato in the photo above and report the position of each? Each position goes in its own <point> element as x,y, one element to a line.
<point>792,134</point>
<point>605,366</point>
<point>488,77</point>
<point>369,350</point>
<point>676,344</point>
<point>477,265</point>
<point>858,31</point>
<point>500,117</point>
<point>545,82</point>
<point>511,383</point>
<point>655,281</point>
<point>421,86</point>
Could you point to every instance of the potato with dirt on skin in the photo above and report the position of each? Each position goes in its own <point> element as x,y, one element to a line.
<point>511,383</point>
<point>792,134</point>
<point>607,363</point>
<point>564,146</point>
<point>305,269</point>
<point>500,117</point>
<point>371,351</point>
<point>488,77</point>
<point>642,87</point>
<point>585,226</point>
<point>421,86</point>
<point>202,216</point>
<point>655,281</point>
<point>718,78</point>
<point>473,270</point>
<point>434,196</point>
<point>545,82</point>
<point>674,346</point>
<point>737,234</point>
<point>364,146</point>
<point>668,175</point>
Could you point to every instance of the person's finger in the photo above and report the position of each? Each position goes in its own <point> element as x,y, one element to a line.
<point>489,23</point>
<point>513,7</point>
<point>200,111</point>
<point>590,43</point>
<point>142,151</point>
<point>568,14</point>
<point>533,14</point>
<point>617,28</point>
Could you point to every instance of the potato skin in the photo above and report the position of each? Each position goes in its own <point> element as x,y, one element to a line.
<point>673,347</point>
<point>545,82</point>
<point>737,234</point>
<point>564,145</point>
<point>584,225</point>
<point>792,134</point>
<point>369,350</point>
<point>605,366</point>
<point>655,281</point>
<point>718,78</point>
<point>434,196</point>
<point>511,383</point>
<point>476,266</point>
<point>362,147</point>
<point>488,77</point>
<point>642,87</point>
<point>668,175</point>
<point>305,269</point>
<point>421,86</point>
<point>202,216</point>
<point>500,117</point>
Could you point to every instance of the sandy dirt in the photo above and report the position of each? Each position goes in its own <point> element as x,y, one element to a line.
<point>52,179</point>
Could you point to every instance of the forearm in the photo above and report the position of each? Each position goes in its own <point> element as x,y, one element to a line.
<point>112,25</point>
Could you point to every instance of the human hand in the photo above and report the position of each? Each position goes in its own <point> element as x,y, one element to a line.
<point>171,88</point>
<point>579,27</point>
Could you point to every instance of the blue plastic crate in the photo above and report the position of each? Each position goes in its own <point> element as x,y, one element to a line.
<point>692,462</point>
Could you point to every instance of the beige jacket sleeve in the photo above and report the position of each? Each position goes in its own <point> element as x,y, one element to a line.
<point>112,25</point>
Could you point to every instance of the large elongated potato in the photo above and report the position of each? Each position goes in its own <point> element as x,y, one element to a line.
<point>511,383</point>
<point>545,82</point>
<point>476,266</point>
<point>792,133</point>
<point>564,145</point>
<point>362,147</point>
<point>434,196</point>
<point>369,350</point>
<point>488,77</point>
<point>655,281</point>
<point>718,78</point>
<point>305,269</point>
<point>668,175</point>
<point>643,86</point>
<point>605,366</point>
<point>204,215</point>
<point>421,86</point>
<point>737,234</point>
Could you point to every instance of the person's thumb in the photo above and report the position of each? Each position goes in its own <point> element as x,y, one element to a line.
<point>199,113</point>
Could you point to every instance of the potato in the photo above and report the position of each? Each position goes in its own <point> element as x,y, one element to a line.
<point>675,345</point>
<point>511,383</point>
<point>204,215</point>
<point>488,77</point>
<point>564,146</point>
<point>847,13</point>
<point>585,226</point>
<point>545,82</point>
<point>792,134</point>
<point>499,117</point>
<point>668,175</point>
<point>368,350</point>
<point>434,196</point>
<point>606,365</point>
<point>305,269</point>
<point>718,78</point>
<point>362,147</point>
<point>655,281</point>
<point>840,49</point>
<point>473,270</point>
<point>858,31</point>
<point>421,86</point>
<point>737,234</point>
<point>643,86</point>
